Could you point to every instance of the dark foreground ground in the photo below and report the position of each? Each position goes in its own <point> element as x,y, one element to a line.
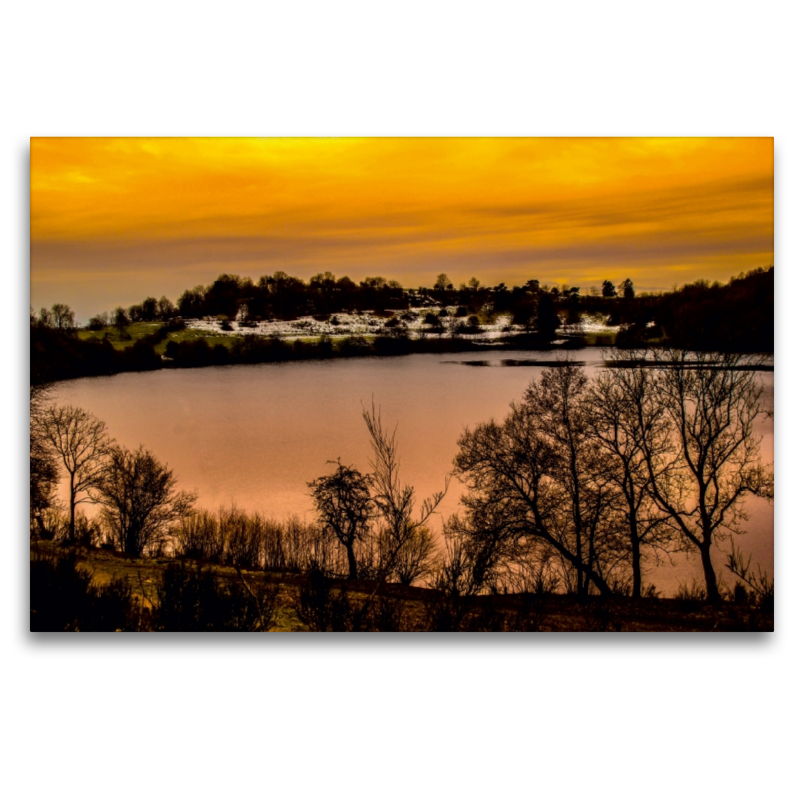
<point>93,589</point>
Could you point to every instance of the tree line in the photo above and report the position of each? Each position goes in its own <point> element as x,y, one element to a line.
<point>585,482</point>
<point>719,310</point>
<point>737,317</point>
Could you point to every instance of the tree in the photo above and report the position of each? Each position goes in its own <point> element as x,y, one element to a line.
<point>121,319</point>
<point>98,321</point>
<point>713,402</point>
<point>345,509</point>
<point>405,544</point>
<point>628,421</point>
<point>609,290</point>
<point>63,317</point>
<point>80,442</point>
<point>442,288</point>
<point>139,500</point>
<point>60,317</point>
<point>626,289</point>
<point>43,467</point>
<point>538,488</point>
<point>165,309</point>
<point>547,321</point>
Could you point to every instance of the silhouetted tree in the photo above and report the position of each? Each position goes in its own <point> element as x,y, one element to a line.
<point>149,309</point>
<point>713,402</point>
<point>121,318</point>
<point>609,290</point>
<point>139,500</point>
<point>98,321</point>
<point>191,303</point>
<point>626,289</point>
<point>345,508</point>
<point>538,487</point>
<point>43,467</point>
<point>405,544</point>
<point>165,309</point>
<point>80,442</point>
<point>63,317</point>
<point>547,321</point>
<point>629,422</point>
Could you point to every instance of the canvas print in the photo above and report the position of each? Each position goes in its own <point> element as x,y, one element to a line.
<point>401,385</point>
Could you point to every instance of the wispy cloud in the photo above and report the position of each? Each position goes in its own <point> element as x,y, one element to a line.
<point>132,216</point>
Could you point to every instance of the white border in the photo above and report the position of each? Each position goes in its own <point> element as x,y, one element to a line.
<point>654,716</point>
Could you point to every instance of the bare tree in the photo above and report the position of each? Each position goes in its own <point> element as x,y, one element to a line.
<point>713,402</point>
<point>628,421</point>
<point>345,509</point>
<point>43,466</point>
<point>63,317</point>
<point>537,486</point>
<point>139,499</point>
<point>406,545</point>
<point>80,442</point>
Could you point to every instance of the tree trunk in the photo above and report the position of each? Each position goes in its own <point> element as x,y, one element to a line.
<point>351,563</point>
<point>72,509</point>
<point>712,591</point>
<point>636,563</point>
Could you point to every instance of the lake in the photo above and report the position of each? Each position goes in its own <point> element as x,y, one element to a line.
<point>255,435</point>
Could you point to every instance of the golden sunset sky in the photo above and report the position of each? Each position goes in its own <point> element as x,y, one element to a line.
<point>116,220</point>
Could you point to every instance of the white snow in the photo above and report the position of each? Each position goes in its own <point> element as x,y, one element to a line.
<point>369,324</point>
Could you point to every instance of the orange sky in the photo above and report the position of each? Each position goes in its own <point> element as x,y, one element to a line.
<point>115,220</point>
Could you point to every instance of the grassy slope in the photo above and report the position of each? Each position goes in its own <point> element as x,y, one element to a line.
<point>545,613</point>
<point>138,330</point>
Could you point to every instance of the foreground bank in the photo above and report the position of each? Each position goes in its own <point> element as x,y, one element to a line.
<point>96,590</point>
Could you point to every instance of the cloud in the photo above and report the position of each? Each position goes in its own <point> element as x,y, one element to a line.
<point>123,214</point>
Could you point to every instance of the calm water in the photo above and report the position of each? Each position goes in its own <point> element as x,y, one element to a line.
<point>255,435</point>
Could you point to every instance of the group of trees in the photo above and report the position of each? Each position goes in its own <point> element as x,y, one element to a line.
<point>59,353</point>
<point>698,315</point>
<point>281,296</point>
<point>136,493</point>
<point>581,485</point>
<point>584,477</point>
<point>149,310</point>
<point>737,317</point>
<point>702,312</point>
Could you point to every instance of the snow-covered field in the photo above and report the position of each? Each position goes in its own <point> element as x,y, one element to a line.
<point>368,324</point>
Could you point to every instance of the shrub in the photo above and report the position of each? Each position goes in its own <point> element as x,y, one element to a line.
<point>193,598</point>
<point>324,606</point>
<point>198,536</point>
<point>63,598</point>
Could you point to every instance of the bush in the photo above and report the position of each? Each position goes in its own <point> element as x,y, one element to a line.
<point>63,598</point>
<point>192,598</point>
<point>251,541</point>
<point>197,536</point>
<point>324,606</point>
